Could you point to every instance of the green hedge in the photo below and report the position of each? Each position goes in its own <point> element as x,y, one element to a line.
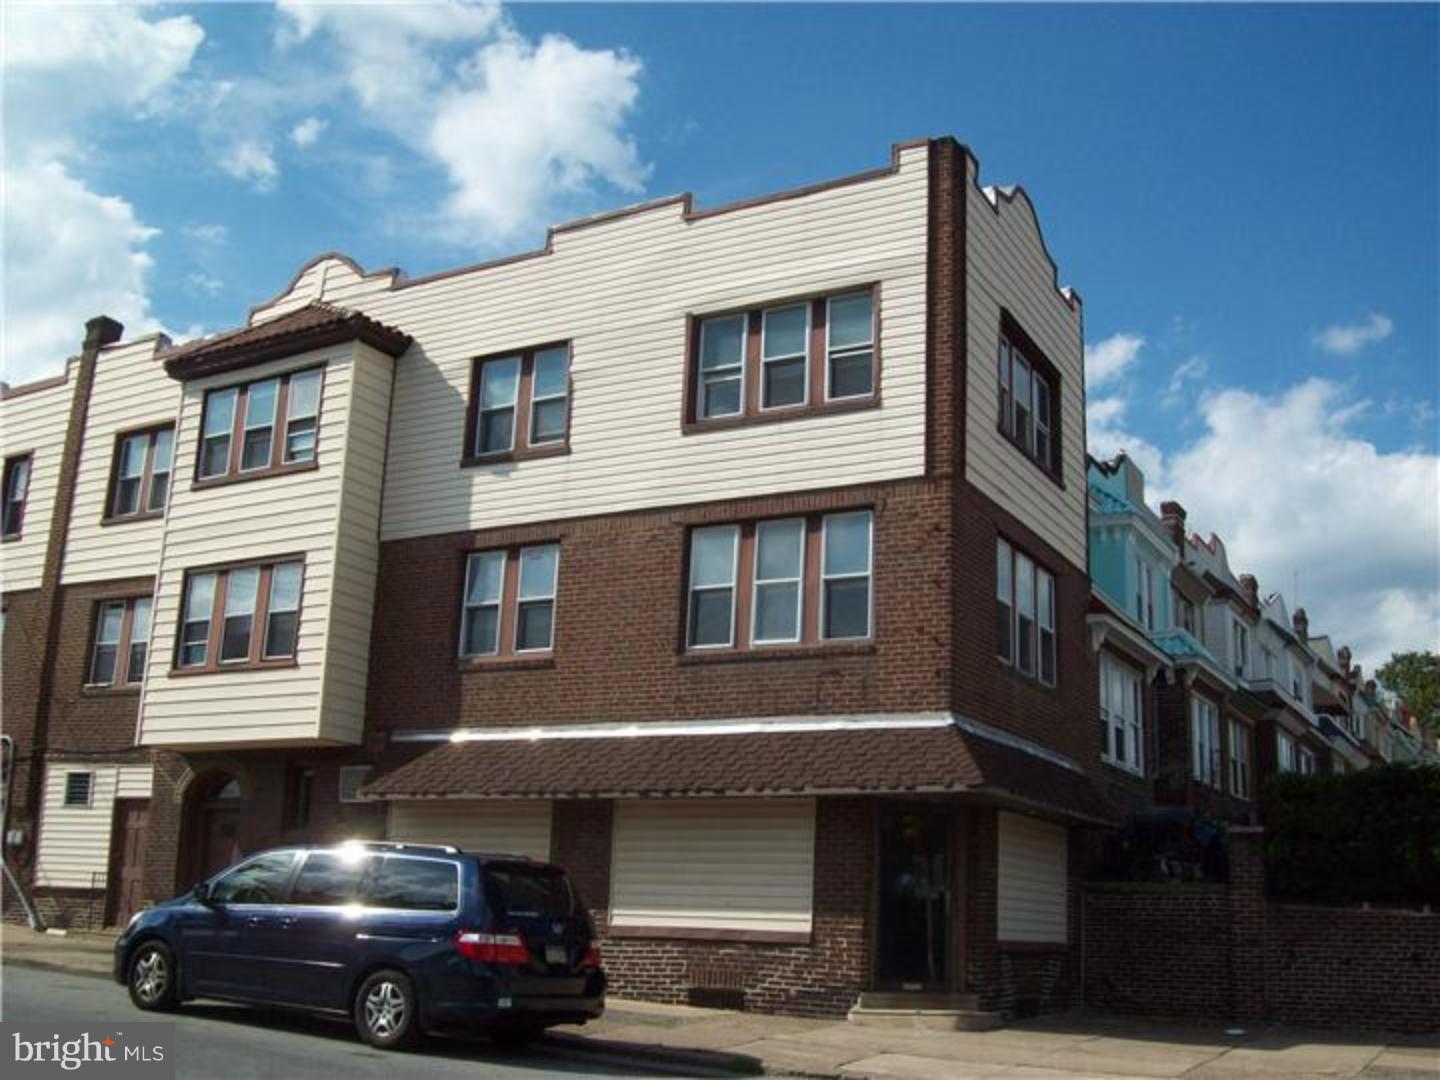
<point>1370,836</point>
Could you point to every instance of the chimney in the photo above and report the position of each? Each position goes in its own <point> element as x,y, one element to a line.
<point>101,331</point>
<point>1251,588</point>
<point>1302,624</point>
<point>1342,658</point>
<point>1172,516</point>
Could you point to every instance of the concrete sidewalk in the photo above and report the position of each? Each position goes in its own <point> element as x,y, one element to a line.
<point>1055,1048</point>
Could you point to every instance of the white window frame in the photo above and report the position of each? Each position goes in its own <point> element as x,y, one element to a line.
<point>228,434</point>
<point>271,610</point>
<point>537,400</point>
<point>538,598</point>
<point>1239,647</point>
<point>1286,757</point>
<point>291,416</point>
<point>766,360</point>
<point>847,350</point>
<point>1005,596</point>
<point>850,575</point>
<point>733,586</point>
<point>226,614</point>
<point>700,399</point>
<point>1239,760</point>
<point>1306,763</point>
<point>798,581</point>
<point>472,559</point>
<point>1206,758</point>
<point>487,366</point>
<point>247,425</point>
<point>1130,728</point>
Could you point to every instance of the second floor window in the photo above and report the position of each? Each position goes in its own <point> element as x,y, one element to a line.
<point>1205,741</point>
<point>1025,598</point>
<point>141,483</point>
<point>263,426</point>
<point>1239,760</point>
<point>808,353</point>
<point>240,616</point>
<point>16,490</point>
<point>1307,762</point>
<point>1121,715</point>
<point>1145,594</point>
<point>785,581</point>
<point>1027,395</point>
<point>1240,647</point>
<point>520,404</point>
<point>1285,759</point>
<point>122,642</point>
<point>509,601</point>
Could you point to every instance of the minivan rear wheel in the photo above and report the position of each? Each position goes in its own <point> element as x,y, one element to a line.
<point>386,1010</point>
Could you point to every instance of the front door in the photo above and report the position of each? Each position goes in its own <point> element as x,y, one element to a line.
<point>128,866</point>
<point>219,845</point>
<point>914,908</point>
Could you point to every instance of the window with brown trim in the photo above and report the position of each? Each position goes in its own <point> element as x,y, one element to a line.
<point>240,616</point>
<point>140,473</point>
<point>1025,605</point>
<point>121,643</point>
<point>16,487</point>
<point>781,581</point>
<point>508,608</point>
<point>769,362</point>
<point>1029,398</point>
<point>262,427</point>
<point>519,405</point>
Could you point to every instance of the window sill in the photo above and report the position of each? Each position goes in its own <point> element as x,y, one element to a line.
<point>1053,475</point>
<point>705,933</point>
<point>1111,763</point>
<point>820,651</point>
<point>10,538</point>
<point>528,453</point>
<point>233,669</point>
<point>539,662</point>
<point>771,416</point>
<point>1032,681</point>
<point>1033,946</point>
<point>100,690</point>
<point>257,474</point>
<point>127,519</point>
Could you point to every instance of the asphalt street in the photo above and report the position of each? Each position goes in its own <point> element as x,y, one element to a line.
<point>231,1042</point>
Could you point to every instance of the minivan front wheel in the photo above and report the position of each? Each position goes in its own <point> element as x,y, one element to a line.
<point>386,1012</point>
<point>152,983</point>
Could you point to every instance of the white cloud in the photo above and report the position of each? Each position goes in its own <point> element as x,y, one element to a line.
<point>524,131</point>
<point>1107,360</point>
<point>1106,436</point>
<point>209,235</point>
<point>72,252</point>
<point>305,133</point>
<point>1191,370</point>
<point>1346,339</point>
<point>207,284</point>
<point>253,161</point>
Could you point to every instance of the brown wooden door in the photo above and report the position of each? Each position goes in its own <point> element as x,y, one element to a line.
<point>127,863</point>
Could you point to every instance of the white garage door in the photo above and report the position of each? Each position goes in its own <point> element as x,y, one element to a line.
<point>511,828</point>
<point>1033,883</point>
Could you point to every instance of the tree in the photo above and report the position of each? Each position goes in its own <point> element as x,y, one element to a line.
<point>1415,676</point>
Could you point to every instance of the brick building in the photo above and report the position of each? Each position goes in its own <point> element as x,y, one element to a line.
<point>733,557</point>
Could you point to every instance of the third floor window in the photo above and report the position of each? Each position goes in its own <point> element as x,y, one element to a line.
<point>519,405</point>
<point>1029,399</point>
<point>16,489</point>
<point>140,482</point>
<point>271,425</point>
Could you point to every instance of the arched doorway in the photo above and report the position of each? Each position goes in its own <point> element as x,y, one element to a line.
<point>212,825</point>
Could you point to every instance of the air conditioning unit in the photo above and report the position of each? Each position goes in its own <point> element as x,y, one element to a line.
<point>352,779</point>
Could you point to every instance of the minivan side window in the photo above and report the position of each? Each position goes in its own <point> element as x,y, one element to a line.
<point>330,877</point>
<point>262,880</point>
<point>414,885</point>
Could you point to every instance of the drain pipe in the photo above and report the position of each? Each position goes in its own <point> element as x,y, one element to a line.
<point>7,755</point>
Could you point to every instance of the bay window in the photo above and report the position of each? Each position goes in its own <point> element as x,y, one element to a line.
<point>1239,760</point>
<point>240,616</point>
<point>1205,756</point>
<point>266,426</point>
<point>1121,715</point>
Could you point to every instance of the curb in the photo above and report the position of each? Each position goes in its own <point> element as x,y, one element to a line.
<point>714,1062</point>
<point>59,969</point>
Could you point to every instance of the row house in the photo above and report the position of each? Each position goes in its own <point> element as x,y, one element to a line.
<point>735,558</point>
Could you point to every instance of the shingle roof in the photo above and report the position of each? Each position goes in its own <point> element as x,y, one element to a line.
<point>310,327</point>
<point>790,763</point>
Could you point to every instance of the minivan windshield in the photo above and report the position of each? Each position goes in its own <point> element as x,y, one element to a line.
<point>532,891</point>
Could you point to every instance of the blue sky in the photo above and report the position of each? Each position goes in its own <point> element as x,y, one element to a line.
<point>1245,197</point>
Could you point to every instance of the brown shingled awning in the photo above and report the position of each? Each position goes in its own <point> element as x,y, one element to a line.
<point>311,327</point>
<point>867,761</point>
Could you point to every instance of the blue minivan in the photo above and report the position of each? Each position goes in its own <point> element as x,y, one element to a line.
<point>403,938</point>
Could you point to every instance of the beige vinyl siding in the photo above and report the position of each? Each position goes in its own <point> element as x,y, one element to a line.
<point>74,846</point>
<point>722,864</point>
<point>254,520</point>
<point>1033,880</point>
<point>1007,268</point>
<point>510,828</point>
<point>34,422</point>
<point>621,291</point>
<point>131,390</point>
<point>357,548</point>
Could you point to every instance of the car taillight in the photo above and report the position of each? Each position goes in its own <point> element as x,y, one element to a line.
<point>592,956</point>
<point>492,948</point>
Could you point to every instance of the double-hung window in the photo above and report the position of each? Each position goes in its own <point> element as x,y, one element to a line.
<point>270,425</point>
<point>1285,759</point>
<point>1027,392</point>
<point>1205,756</point>
<point>783,581</point>
<point>121,643</point>
<point>1121,715</point>
<point>804,354</point>
<point>508,606</point>
<point>1239,647</point>
<point>1239,760</point>
<point>520,405</point>
<point>16,489</point>
<point>241,616</point>
<point>1026,606</point>
<point>1307,762</point>
<point>141,482</point>
<point>1145,594</point>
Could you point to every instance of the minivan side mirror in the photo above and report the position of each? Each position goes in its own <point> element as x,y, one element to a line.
<point>201,893</point>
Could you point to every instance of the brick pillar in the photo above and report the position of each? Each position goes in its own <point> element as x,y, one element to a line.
<point>1248,914</point>
<point>982,953</point>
